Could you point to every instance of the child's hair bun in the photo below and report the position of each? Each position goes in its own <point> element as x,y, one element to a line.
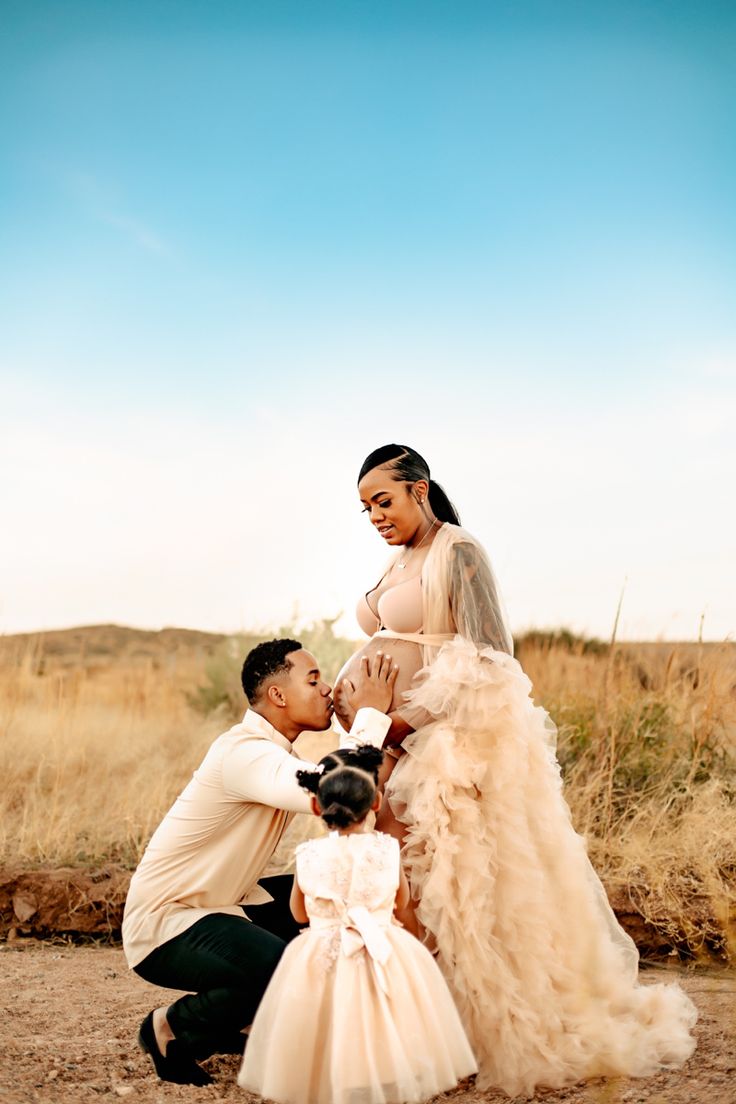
<point>309,780</point>
<point>337,815</point>
<point>366,757</point>
<point>344,783</point>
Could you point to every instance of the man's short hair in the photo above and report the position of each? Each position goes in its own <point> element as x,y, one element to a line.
<point>264,661</point>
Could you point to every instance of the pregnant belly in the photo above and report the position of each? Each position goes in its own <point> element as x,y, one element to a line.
<point>405,655</point>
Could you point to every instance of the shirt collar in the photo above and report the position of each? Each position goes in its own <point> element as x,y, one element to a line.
<point>256,723</point>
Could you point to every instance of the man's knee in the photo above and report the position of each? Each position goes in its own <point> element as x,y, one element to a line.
<point>264,960</point>
<point>220,951</point>
<point>249,960</point>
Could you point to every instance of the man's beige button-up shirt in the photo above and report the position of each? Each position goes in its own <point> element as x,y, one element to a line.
<point>209,851</point>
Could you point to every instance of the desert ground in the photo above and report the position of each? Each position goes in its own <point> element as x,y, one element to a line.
<point>69,1017</point>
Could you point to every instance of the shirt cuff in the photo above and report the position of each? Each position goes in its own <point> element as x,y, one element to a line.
<point>369,727</point>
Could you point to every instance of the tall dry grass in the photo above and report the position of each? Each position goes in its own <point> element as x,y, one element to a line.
<point>94,751</point>
<point>91,757</point>
<point>647,744</point>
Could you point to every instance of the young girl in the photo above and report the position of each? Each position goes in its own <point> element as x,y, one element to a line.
<point>357,1011</point>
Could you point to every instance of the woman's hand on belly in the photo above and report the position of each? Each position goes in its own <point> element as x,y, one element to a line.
<point>343,710</point>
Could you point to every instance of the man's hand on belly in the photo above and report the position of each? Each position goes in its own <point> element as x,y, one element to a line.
<point>373,686</point>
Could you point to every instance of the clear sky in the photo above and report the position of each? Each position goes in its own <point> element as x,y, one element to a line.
<point>243,244</point>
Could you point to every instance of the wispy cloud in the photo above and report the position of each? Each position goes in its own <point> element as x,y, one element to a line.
<point>102,203</point>
<point>137,231</point>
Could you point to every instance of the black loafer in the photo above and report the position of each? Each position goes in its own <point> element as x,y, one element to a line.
<point>176,1065</point>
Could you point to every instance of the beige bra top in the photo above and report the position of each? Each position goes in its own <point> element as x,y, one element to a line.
<point>398,608</point>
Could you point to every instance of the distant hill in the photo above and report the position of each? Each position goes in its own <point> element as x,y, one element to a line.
<point>97,643</point>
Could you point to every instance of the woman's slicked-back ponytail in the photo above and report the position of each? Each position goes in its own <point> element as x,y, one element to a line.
<point>442,508</point>
<point>406,463</point>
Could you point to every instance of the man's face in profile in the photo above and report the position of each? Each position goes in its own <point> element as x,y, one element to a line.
<point>308,696</point>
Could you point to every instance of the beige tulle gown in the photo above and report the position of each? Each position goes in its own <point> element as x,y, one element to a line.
<point>357,1011</point>
<point>544,978</point>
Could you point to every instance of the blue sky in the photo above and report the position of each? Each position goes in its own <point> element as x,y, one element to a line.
<point>243,244</point>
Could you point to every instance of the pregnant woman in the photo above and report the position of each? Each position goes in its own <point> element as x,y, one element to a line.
<point>544,978</point>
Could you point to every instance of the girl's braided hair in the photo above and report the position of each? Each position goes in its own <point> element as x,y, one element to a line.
<point>344,784</point>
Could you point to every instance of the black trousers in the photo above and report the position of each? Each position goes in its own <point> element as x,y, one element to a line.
<point>225,964</point>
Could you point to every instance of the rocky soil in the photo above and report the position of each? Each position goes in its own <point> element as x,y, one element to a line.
<point>69,1016</point>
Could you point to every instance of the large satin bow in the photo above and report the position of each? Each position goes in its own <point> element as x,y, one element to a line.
<point>360,928</point>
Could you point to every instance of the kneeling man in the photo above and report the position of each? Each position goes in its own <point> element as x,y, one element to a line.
<point>185,925</point>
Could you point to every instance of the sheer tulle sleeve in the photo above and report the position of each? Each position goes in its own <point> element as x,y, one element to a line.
<point>460,596</point>
<point>474,599</point>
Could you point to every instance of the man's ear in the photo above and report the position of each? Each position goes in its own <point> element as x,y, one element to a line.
<point>276,696</point>
<point>315,807</point>
<point>377,801</point>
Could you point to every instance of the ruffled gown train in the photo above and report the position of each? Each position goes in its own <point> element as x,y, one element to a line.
<point>545,979</point>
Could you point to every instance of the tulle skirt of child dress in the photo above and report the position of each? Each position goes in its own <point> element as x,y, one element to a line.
<point>544,978</point>
<point>334,1029</point>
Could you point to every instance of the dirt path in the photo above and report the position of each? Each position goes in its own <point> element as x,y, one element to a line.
<point>69,1015</point>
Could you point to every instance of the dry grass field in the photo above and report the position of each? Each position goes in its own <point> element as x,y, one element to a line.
<point>101,727</point>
